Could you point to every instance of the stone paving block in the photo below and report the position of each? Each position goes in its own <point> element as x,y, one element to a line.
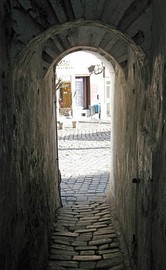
<point>101,236</point>
<point>86,233</point>
<point>106,215</point>
<point>87,258</point>
<point>72,199</point>
<point>87,252</point>
<point>93,204</point>
<point>107,211</point>
<point>84,238</point>
<point>69,212</point>
<point>104,247</point>
<point>89,219</point>
<point>87,215</point>
<point>105,235</point>
<point>96,226</point>
<point>105,219</point>
<point>103,207</point>
<point>108,230</point>
<point>91,191</point>
<point>85,223</point>
<point>79,243</point>
<point>102,222</point>
<point>81,199</point>
<point>77,227</point>
<point>85,230</point>
<point>94,211</point>
<point>98,214</point>
<point>79,248</point>
<point>100,242</point>
<point>65,224</point>
<point>66,233</point>
<point>85,209</point>
<point>107,251</point>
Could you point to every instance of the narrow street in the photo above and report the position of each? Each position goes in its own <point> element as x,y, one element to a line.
<point>86,234</point>
<point>84,161</point>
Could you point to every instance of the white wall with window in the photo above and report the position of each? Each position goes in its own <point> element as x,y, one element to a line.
<point>87,89</point>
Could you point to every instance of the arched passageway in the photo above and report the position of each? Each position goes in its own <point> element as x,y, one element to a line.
<point>85,233</point>
<point>125,35</point>
<point>84,129</point>
<point>85,230</point>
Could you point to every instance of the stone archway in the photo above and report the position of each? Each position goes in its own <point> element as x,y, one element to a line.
<point>34,82</point>
<point>33,65</point>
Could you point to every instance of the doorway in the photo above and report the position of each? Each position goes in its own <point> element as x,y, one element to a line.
<point>82,85</point>
<point>65,100</point>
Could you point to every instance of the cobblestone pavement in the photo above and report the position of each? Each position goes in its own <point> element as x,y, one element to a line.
<point>84,234</point>
<point>84,238</point>
<point>84,161</point>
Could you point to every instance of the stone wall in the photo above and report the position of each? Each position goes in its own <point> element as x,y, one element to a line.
<point>29,185</point>
<point>133,145</point>
<point>29,182</point>
<point>128,101</point>
<point>158,117</point>
<point>5,142</point>
<point>140,152</point>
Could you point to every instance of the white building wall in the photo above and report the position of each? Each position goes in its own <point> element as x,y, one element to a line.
<point>76,64</point>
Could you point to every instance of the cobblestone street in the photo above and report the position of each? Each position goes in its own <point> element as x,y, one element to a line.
<point>84,161</point>
<point>85,235</point>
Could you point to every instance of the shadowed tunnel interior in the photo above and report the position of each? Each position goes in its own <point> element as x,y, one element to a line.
<point>35,35</point>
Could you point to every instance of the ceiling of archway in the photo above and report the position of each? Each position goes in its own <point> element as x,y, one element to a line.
<point>107,26</point>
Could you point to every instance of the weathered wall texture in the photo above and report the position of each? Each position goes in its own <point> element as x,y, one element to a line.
<point>129,94</point>
<point>158,128</point>
<point>35,163</point>
<point>29,184</point>
<point>7,187</point>
<point>140,152</point>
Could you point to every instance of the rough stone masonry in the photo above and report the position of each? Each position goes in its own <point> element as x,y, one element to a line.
<point>35,35</point>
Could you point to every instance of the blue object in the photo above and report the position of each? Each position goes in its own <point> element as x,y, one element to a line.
<point>96,108</point>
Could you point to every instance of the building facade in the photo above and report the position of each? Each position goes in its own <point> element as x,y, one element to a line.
<point>87,86</point>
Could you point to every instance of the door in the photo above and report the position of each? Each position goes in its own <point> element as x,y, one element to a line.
<point>65,95</point>
<point>82,85</point>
